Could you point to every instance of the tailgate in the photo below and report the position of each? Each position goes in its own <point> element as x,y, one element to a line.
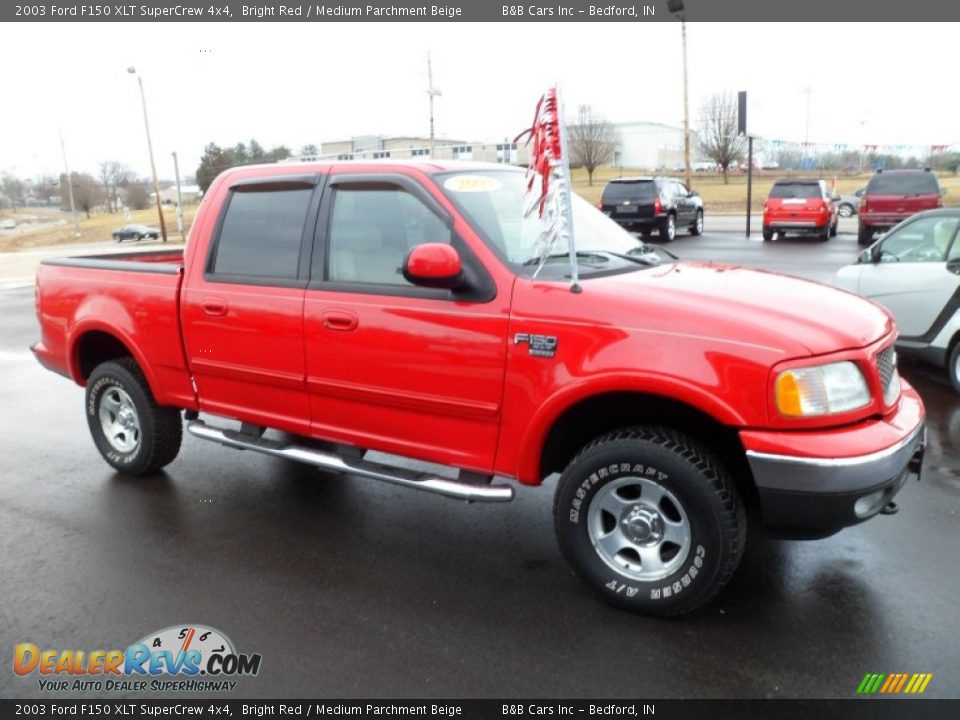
<point>796,210</point>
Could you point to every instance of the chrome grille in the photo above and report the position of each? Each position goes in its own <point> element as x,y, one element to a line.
<point>887,369</point>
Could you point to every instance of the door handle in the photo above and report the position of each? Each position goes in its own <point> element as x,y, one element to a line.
<point>214,306</point>
<point>339,320</point>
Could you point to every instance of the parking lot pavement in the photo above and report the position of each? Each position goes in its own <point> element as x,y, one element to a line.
<point>351,588</point>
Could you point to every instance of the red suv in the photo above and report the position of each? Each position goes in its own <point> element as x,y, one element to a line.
<point>893,196</point>
<point>799,206</point>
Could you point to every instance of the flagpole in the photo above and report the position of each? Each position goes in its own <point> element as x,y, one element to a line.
<point>566,189</point>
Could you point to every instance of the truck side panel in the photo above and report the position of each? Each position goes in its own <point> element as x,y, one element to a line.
<point>139,309</point>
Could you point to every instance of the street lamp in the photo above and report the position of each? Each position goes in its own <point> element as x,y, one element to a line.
<point>153,166</point>
<point>676,8</point>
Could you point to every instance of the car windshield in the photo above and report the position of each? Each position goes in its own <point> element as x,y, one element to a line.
<point>911,183</point>
<point>788,191</point>
<point>494,200</point>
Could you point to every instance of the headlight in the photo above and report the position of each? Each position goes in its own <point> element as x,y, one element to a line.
<point>821,390</point>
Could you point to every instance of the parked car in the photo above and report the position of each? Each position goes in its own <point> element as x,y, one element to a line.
<point>645,204</point>
<point>8,224</point>
<point>849,205</point>
<point>405,308</point>
<point>799,206</point>
<point>894,195</point>
<point>135,232</point>
<point>914,271</point>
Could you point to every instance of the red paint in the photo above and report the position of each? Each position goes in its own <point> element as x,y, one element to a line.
<point>443,380</point>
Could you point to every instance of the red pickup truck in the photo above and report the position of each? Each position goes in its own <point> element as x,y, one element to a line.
<point>406,308</point>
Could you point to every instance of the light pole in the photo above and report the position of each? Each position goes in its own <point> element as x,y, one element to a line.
<point>676,8</point>
<point>432,92</point>
<point>66,169</point>
<point>153,165</point>
<point>176,172</point>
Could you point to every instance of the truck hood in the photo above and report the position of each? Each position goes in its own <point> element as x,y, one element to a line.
<point>793,316</point>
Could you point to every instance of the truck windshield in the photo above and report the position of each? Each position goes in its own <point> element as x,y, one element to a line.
<point>493,201</point>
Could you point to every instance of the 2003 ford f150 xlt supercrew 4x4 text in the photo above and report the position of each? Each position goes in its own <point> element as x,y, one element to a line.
<point>320,311</point>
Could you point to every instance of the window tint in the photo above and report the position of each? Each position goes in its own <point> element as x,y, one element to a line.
<point>913,183</point>
<point>788,191</point>
<point>373,228</point>
<point>261,234</point>
<point>631,190</point>
<point>924,240</point>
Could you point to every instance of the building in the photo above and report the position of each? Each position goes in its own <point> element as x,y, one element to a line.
<point>376,147</point>
<point>652,146</point>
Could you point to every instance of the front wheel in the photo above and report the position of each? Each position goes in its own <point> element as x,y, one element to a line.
<point>845,210</point>
<point>133,434</point>
<point>650,520</point>
<point>697,227</point>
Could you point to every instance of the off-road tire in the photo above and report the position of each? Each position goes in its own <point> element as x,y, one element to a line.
<point>160,428</point>
<point>692,475</point>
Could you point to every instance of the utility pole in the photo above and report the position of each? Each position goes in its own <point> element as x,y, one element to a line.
<point>153,165</point>
<point>176,172</point>
<point>66,169</point>
<point>432,92</point>
<point>677,8</point>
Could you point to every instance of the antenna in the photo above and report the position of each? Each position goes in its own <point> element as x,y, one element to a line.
<point>432,92</point>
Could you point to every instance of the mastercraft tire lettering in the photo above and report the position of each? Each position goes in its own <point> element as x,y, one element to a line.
<point>650,520</point>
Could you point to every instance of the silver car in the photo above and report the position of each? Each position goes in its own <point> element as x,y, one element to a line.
<point>849,205</point>
<point>914,271</point>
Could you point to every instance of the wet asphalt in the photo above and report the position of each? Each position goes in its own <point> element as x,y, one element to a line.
<point>350,588</point>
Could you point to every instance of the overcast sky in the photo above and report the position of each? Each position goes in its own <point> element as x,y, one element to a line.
<point>291,84</point>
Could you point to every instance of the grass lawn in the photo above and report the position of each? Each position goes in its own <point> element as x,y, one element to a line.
<point>37,227</point>
<point>718,197</point>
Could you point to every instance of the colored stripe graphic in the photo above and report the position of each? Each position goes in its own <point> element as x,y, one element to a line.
<point>894,683</point>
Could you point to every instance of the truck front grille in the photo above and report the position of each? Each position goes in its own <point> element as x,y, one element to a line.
<point>889,378</point>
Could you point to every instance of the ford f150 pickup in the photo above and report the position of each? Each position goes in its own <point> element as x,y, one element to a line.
<point>321,311</point>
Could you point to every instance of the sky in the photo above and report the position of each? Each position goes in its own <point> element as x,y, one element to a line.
<point>293,84</point>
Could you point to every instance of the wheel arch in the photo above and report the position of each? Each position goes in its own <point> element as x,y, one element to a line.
<point>93,343</point>
<point>591,416</point>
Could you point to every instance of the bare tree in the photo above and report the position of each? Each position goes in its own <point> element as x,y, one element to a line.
<point>592,140</point>
<point>13,190</point>
<point>718,138</point>
<point>137,196</point>
<point>114,175</point>
<point>88,193</point>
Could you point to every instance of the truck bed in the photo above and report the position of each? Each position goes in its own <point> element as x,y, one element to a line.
<point>133,295</point>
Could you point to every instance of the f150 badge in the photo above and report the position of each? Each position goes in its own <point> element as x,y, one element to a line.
<point>540,345</point>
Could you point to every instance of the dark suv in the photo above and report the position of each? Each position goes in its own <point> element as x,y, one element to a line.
<point>895,195</point>
<point>646,204</point>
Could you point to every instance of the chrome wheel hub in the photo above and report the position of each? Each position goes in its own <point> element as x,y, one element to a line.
<point>119,420</point>
<point>639,528</point>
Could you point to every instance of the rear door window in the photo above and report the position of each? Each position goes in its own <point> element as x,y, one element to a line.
<point>261,234</point>
<point>618,192</point>
<point>919,183</point>
<point>788,191</point>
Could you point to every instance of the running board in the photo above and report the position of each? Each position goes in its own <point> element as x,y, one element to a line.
<point>330,461</point>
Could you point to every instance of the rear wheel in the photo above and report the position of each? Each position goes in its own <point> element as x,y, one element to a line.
<point>650,520</point>
<point>697,227</point>
<point>864,235</point>
<point>767,234</point>
<point>668,228</point>
<point>133,434</point>
<point>824,234</point>
<point>953,365</point>
<point>845,210</point>
<point>833,228</point>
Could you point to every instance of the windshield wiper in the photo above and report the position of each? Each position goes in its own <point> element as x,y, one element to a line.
<point>554,256</point>
<point>639,260</point>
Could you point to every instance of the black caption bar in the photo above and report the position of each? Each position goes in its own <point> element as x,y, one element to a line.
<point>858,11</point>
<point>487,709</point>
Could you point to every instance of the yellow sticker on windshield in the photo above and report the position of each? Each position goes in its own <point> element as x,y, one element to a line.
<point>472,183</point>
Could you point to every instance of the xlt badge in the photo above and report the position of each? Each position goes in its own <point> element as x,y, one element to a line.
<point>540,345</point>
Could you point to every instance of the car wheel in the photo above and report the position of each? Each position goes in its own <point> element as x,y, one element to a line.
<point>767,234</point>
<point>953,366</point>
<point>118,238</point>
<point>845,210</point>
<point>133,434</point>
<point>864,235</point>
<point>668,228</point>
<point>833,228</point>
<point>825,234</point>
<point>697,227</point>
<point>650,520</point>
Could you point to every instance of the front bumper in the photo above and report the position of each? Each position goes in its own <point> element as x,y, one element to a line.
<point>814,494</point>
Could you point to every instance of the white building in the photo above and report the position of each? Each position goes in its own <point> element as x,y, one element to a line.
<point>652,146</point>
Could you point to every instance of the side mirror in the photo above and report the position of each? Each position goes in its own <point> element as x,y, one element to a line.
<point>954,266</point>
<point>435,265</point>
<point>694,193</point>
<point>865,257</point>
<point>836,198</point>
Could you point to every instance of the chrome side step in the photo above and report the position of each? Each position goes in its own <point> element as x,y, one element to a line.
<point>330,461</point>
